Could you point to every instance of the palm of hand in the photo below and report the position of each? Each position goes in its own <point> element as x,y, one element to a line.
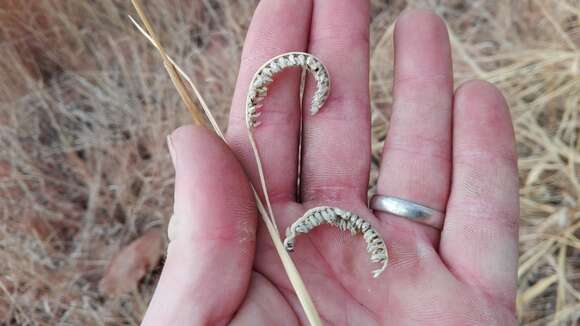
<point>222,268</point>
<point>416,289</point>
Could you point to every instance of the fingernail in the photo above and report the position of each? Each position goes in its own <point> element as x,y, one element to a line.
<point>172,227</point>
<point>171,151</point>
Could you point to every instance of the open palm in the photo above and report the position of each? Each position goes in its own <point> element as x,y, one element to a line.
<point>453,151</point>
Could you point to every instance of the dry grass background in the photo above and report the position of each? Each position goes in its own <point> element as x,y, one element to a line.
<point>85,106</point>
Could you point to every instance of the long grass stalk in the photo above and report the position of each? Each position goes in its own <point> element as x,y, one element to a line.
<point>177,76</point>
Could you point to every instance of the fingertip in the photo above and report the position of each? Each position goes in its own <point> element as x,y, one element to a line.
<point>186,131</point>
<point>424,16</point>
<point>422,50</point>
<point>483,120</point>
<point>482,90</point>
<point>196,148</point>
<point>191,138</point>
<point>421,28</point>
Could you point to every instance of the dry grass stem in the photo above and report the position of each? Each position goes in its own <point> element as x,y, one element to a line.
<point>293,274</point>
<point>182,73</point>
<point>169,66</point>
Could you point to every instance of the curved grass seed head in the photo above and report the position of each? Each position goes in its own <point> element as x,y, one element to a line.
<point>345,221</point>
<point>265,76</point>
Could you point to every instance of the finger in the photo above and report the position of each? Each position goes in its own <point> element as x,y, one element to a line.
<point>337,140</point>
<point>416,157</point>
<point>479,238</point>
<point>210,255</point>
<point>278,26</point>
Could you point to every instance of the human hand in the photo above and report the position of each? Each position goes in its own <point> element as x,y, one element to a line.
<point>453,151</point>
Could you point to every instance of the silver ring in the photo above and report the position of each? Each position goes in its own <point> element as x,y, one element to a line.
<point>407,209</point>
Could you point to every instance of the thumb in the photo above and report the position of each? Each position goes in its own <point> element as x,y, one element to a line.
<point>212,234</point>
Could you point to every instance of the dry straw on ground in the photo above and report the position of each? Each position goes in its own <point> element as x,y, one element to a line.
<point>85,106</point>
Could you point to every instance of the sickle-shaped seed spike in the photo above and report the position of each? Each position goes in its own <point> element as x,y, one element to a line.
<point>344,220</point>
<point>266,74</point>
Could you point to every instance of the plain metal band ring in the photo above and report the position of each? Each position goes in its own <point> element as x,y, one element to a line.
<point>407,209</point>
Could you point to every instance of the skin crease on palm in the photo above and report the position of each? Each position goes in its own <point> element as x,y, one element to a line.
<point>450,149</point>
